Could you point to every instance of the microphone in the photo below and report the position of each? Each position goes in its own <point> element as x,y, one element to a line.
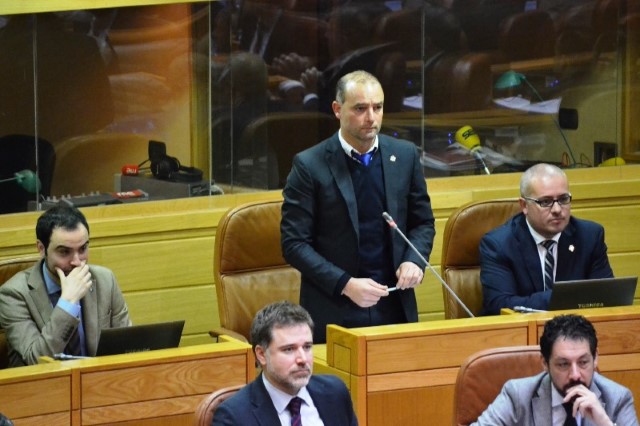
<point>387,217</point>
<point>468,138</point>
<point>27,180</point>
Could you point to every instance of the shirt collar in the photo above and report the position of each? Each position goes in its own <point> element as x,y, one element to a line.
<point>539,238</point>
<point>281,399</point>
<point>52,287</point>
<point>348,148</point>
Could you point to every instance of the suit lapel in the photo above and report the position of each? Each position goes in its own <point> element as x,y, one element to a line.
<point>90,317</point>
<point>262,407</point>
<point>335,158</point>
<point>528,253</point>
<point>39,296</point>
<point>568,252</point>
<point>322,400</point>
<point>390,165</point>
<point>541,403</point>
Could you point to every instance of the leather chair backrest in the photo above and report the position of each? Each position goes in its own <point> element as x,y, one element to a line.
<point>458,82</point>
<point>207,407</point>
<point>461,255</point>
<point>280,136</point>
<point>249,269</point>
<point>527,35</point>
<point>8,268</point>
<point>482,375</point>
<point>101,155</point>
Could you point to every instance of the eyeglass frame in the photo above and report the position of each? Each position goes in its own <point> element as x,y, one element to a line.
<point>553,201</point>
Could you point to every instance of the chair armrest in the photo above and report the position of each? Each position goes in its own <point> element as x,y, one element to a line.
<point>217,332</point>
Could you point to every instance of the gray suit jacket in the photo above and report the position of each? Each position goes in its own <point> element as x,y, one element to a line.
<point>320,231</point>
<point>35,329</point>
<point>527,402</point>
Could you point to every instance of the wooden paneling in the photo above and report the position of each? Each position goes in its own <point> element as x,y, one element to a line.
<point>39,394</point>
<point>406,373</point>
<point>162,251</point>
<point>152,388</point>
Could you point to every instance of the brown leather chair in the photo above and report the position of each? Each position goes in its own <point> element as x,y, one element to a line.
<point>207,407</point>
<point>248,266</point>
<point>8,268</point>
<point>101,155</point>
<point>527,35</point>
<point>461,255</point>
<point>457,82</point>
<point>280,136</point>
<point>482,375</point>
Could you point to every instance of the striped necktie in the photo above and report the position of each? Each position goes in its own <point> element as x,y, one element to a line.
<point>549,263</point>
<point>294,409</point>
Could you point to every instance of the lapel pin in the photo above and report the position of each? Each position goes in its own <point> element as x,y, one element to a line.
<point>392,158</point>
<point>571,248</point>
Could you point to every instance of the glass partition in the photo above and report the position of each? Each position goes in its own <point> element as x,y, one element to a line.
<point>203,98</point>
<point>93,87</point>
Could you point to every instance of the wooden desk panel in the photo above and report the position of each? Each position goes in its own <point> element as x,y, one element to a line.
<point>36,395</point>
<point>157,386</point>
<point>149,388</point>
<point>405,374</point>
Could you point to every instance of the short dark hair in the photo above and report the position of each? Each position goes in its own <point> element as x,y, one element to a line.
<point>275,315</point>
<point>572,327</point>
<point>58,216</point>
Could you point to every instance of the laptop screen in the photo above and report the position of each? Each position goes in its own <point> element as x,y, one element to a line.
<point>139,338</point>
<point>593,293</point>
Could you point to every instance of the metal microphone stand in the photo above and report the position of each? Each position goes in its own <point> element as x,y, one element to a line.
<point>387,217</point>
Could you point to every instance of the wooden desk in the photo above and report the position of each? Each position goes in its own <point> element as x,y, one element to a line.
<point>37,394</point>
<point>404,374</point>
<point>149,388</point>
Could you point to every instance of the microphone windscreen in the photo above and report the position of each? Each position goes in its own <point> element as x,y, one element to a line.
<point>28,180</point>
<point>468,138</point>
<point>130,170</point>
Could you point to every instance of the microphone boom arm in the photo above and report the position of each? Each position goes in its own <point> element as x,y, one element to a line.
<point>387,217</point>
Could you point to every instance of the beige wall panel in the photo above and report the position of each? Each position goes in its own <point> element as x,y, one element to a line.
<point>196,305</point>
<point>159,264</point>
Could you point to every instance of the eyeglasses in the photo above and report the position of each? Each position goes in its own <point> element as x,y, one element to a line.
<point>548,202</point>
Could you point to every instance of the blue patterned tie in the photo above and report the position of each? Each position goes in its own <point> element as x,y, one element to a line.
<point>364,159</point>
<point>294,409</point>
<point>549,262</point>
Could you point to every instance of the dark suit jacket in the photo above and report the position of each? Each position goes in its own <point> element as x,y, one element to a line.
<point>527,402</point>
<point>252,404</point>
<point>320,223</point>
<point>511,273</point>
<point>35,329</point>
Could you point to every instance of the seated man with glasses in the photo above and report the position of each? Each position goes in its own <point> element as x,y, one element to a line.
<point>520,260</point>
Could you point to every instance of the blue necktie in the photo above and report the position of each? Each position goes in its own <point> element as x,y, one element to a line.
<point>364,159</point>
